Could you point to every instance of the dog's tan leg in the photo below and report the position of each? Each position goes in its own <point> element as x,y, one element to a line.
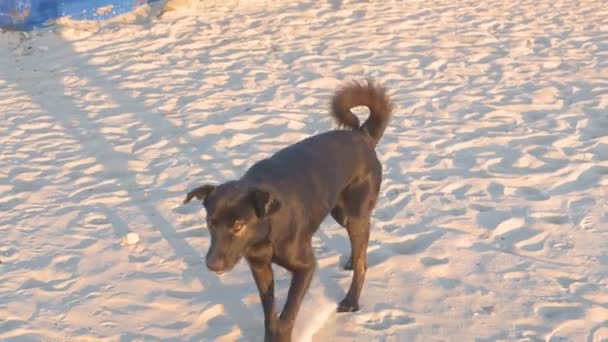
<point>264,280</point>
<point>339,215</point>
<point>358,233</point>
<point>300,282</point>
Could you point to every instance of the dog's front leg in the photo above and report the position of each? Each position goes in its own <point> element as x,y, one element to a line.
<point>264,280</point>
<point>300,281</point>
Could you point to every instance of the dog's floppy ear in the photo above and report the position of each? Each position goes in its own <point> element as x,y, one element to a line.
<point>200,193</point>
<point>264,203</point>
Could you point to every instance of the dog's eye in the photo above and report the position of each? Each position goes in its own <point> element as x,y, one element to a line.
<point>238,226</point>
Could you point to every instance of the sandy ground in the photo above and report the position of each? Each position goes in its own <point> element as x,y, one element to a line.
<point>493,218</point>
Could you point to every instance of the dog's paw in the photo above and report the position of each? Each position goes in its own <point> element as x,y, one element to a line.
<point>279,337</point>
<point>278,331</point>
<point>347,305</point>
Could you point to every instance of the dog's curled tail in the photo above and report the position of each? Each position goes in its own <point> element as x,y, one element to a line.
<point>366,94</point>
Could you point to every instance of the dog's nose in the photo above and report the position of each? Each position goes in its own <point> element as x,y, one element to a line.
<point>216,265</point>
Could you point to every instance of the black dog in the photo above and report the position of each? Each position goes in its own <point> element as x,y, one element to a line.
<point>270,214</point>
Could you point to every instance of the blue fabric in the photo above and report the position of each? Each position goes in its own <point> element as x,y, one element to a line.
<point>28,14</point>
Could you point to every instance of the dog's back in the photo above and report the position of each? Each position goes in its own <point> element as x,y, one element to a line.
<point>312,173</point>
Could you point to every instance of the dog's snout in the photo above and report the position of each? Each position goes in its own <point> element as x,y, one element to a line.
<point>216,265</point>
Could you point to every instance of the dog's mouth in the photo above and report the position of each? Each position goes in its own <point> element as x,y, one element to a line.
<point>220,271</point>
<point>221,266</point>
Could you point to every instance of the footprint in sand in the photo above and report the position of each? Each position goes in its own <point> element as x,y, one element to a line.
<point>579,208</point>
<point>555,312</point>
<point>490,218</point>
<point>551,217</point>
<point>496,191</point>
<point>384,319</point>
<point>531,194</point>
<point>566,282</point>
<point>513,232</point>
<point>448,283</point>
<point>418,244</point>
<point>94,221</point>
<point>430,261</point>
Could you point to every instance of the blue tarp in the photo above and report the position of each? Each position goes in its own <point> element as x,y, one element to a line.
<point>28,14</point>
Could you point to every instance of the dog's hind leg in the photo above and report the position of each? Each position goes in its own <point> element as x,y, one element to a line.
<point>358,233</point>
<point>339,215</point>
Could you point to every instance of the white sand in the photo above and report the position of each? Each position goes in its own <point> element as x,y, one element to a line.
<point>493,218</point>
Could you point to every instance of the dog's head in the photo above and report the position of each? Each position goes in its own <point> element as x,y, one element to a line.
<point>236,218</point>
